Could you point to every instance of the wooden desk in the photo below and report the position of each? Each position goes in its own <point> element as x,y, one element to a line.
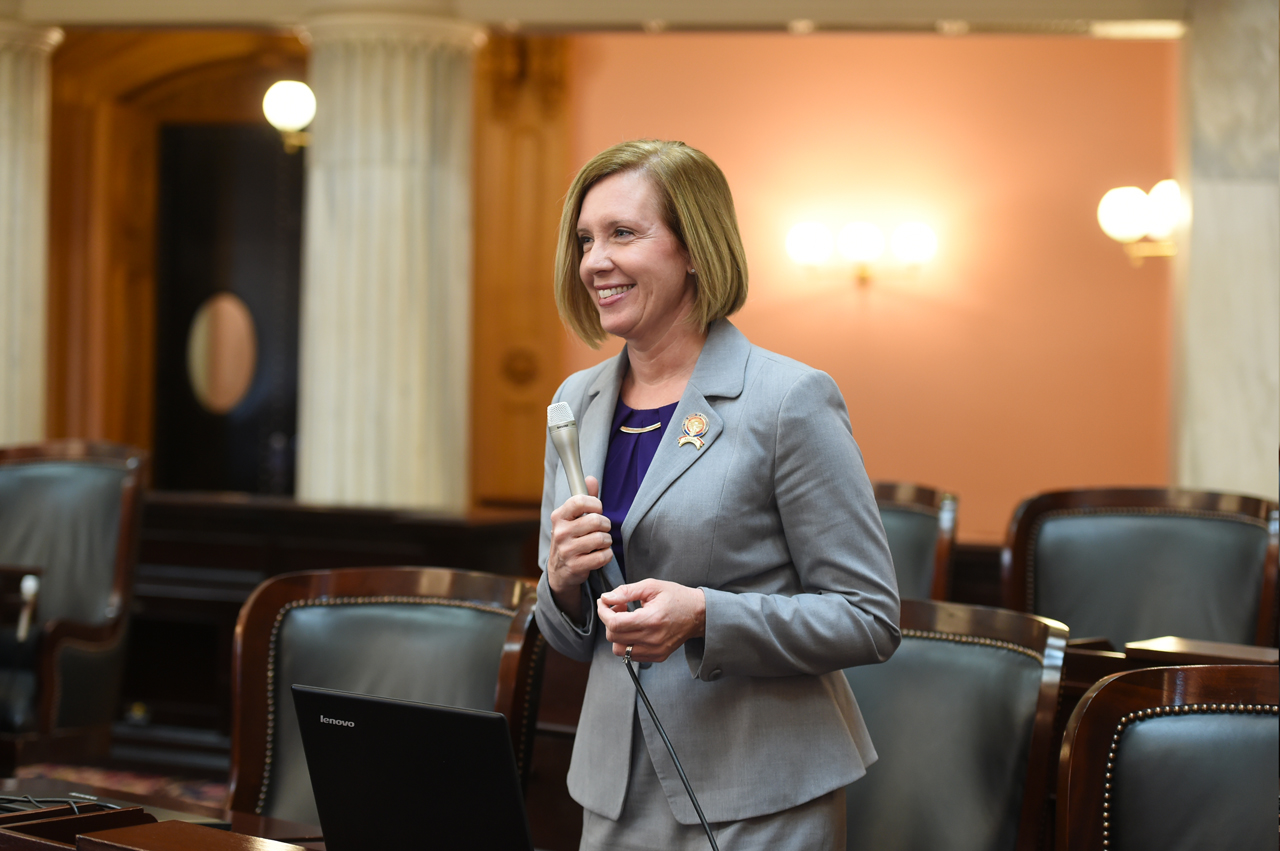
<point>1171,650</point>
<point>245,824</point>
<point>201,556</point>
<point>1082,667</point>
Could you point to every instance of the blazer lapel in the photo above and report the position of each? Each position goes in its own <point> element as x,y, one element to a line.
<point>593,434</point>
<point>719,373</point>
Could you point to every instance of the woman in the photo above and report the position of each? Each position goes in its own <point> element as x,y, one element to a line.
<point>735,511</point>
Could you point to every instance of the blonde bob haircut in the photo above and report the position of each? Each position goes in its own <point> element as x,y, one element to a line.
<point>698,209</point>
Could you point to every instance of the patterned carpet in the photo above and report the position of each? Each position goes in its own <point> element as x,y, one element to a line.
<point>196,791</point>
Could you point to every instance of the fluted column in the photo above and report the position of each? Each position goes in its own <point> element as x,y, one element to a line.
<point>1229,408</point>
<point>24,205</point>
<point>386,300</point>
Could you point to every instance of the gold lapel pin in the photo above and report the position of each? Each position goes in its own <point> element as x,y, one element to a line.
<point>695,426</point>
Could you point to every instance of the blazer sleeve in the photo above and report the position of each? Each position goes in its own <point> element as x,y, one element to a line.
<point>847,612</point>
<point>576,641</point>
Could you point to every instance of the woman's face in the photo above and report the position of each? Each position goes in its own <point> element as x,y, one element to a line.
<point>634,267</point>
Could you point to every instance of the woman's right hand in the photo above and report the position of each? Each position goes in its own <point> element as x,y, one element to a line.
<point>580,543</point>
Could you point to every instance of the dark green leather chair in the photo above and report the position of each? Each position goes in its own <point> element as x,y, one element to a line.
<point>426,634</point>
<point>1173,759</point>
<point>70,510</point>
<point>961,717</point>
<point>1129,564</point>
<point>920,524</point>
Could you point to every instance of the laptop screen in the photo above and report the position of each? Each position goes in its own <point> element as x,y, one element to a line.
<point>397,774</point>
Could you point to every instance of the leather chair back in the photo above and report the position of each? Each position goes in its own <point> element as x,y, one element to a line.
<point>72,509</point>
<point>960,717</point>
<point>1192,755</point>
<point>441,648</point>
<point>920,524</point>
<point>64,517</point>
<point>1134,564</point>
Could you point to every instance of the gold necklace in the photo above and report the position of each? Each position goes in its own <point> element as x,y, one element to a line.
<point>630,430</point>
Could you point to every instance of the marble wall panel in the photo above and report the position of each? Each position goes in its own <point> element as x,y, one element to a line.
<point>24,200</point>
<point>1228,415</point>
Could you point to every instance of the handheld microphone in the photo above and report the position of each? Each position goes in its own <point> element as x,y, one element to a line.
<point>30,588</point>
<point>563,429</point>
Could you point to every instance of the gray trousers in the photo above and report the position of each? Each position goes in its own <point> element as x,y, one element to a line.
<point>646,823</point>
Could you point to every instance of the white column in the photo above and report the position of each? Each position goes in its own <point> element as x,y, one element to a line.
<point>1229,406</point>
<point>24,213</point>
<point>386,287</point>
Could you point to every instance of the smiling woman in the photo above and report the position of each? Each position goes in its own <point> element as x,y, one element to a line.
<point>634,267</point>
<point>749,535</point>
<point>692,201</point>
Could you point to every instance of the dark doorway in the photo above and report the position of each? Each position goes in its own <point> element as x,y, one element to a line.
<point>229,236</point>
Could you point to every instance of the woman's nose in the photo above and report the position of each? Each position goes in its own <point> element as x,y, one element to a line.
<point>597,259</point>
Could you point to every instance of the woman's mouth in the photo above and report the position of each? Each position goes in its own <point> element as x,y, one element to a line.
<point>613,291</point>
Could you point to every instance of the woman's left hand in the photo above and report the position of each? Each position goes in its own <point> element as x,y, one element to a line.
<point>670,615</point>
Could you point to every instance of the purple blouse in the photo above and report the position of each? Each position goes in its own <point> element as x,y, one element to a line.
<point>629,457</point>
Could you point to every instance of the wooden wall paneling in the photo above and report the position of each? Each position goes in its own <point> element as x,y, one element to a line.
<point>127,319</point>
<point>521,171</point>
<point>111,91</point>
<point>70,164</point>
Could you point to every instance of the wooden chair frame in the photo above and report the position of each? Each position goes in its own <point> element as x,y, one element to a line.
<point>1017,576</point>
<point>935,503</point>
<point>1043,638</point>
<point>519,673</point>
<point>1111,704</point>
<point>51,742</point>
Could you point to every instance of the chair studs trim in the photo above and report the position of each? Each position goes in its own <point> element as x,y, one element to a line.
<point>336,601</point>
<point>975,639</point>
<point>527,729</point>
<point>1155,511</point>
<point>1156,712</point>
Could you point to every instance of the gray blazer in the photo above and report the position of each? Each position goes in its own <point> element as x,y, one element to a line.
<point>774,518</point>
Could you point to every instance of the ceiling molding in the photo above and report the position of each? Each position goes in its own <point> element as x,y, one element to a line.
<point>1043,15</point>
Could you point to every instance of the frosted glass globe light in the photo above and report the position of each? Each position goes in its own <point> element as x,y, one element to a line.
<point>860,242</point>
<point>810,243</point>
<point>289,106</point>
<point>914,243</point>
<point>1165,211</point>
<point>1125,214</point>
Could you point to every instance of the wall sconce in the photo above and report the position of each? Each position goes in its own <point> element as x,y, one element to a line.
<point>861,244</point>
<point>290,106</point>
<point>1127,215</point>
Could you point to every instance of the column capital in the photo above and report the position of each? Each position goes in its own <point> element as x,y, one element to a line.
<point>371,25</point>
<point>18,34</point>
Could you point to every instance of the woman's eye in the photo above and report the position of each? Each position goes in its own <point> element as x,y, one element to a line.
<point>583,241</point>
<point>622,232</point>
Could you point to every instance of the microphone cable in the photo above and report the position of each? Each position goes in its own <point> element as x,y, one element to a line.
<point>670,749</point>
<point>606,586</point>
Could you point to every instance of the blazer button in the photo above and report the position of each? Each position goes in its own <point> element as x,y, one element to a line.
<point>714,675</point>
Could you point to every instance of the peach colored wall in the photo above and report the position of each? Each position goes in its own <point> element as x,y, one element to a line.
<point>1028,355</point>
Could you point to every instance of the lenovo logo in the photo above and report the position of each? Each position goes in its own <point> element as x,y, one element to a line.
<point>337,721</point>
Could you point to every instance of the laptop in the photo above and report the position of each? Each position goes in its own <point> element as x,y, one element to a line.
<point>397,774</point>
